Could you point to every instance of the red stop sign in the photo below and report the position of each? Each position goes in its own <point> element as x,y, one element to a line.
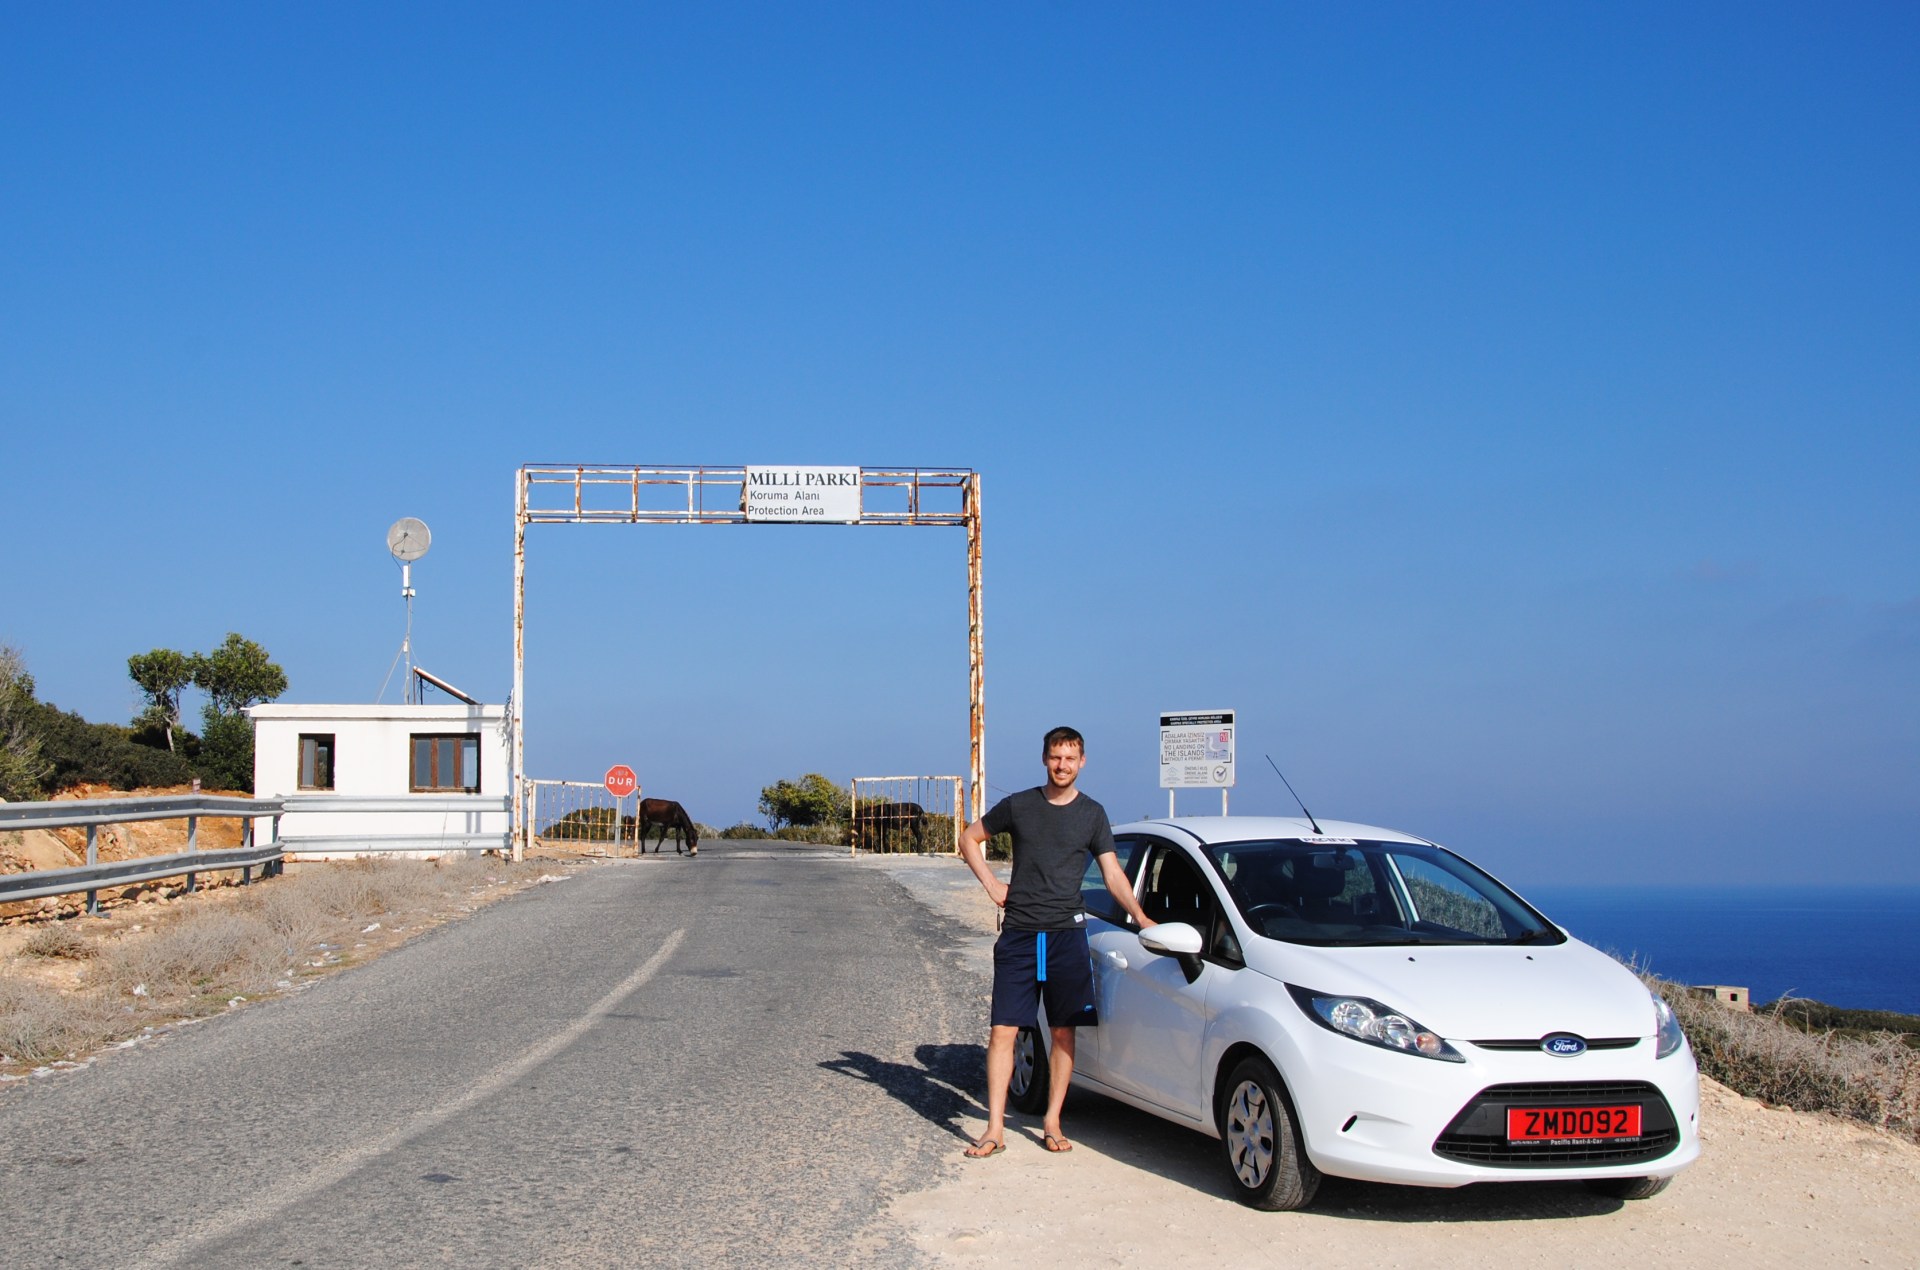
<point>621,781</point>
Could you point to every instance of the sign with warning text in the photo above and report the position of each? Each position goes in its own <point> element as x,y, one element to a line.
<point>1196,750</point>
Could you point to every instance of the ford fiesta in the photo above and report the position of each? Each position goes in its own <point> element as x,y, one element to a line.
<point>1336,998</point>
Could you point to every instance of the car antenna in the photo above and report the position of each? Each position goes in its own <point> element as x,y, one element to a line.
<point>1296,798</point>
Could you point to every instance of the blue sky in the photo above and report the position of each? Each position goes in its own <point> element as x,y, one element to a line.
<point>1513,411</point>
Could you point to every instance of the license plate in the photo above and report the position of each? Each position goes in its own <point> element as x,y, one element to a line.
<point>1555,1124</point>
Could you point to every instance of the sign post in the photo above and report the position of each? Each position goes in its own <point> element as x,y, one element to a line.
<point>620,781</point>
<point>1196,752</point>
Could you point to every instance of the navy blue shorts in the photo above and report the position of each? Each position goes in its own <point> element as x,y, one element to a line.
<point>1028,964</point>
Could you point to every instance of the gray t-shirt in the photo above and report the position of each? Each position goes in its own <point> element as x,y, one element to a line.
<point>1051,845</point>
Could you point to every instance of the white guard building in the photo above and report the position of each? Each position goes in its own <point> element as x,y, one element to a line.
<point>416,778</point>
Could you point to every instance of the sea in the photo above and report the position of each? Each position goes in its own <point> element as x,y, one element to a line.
<point>1857,947</point>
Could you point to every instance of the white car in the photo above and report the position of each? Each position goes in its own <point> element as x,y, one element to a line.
<point>1335,998</point>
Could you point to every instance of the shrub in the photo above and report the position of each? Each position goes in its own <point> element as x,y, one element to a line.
<point>39,1024</point>
<point>744,830</point>
<point>226,750</point>
<point>1762,1055</point>
<point>812,800</point>
<point>104,753</point>
<point>827,835</point>
<point>59,940</point>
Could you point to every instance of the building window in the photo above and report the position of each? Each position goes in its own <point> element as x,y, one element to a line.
<point>316,760</point>
<point>447,764</point>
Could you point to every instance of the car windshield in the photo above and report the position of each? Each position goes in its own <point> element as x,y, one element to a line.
<point>1339,892</point>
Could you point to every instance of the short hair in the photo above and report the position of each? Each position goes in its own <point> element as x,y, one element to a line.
<point>1062,736</point>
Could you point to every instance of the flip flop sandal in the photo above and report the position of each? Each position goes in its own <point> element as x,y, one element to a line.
<point>974,1152</point>
<point>1059,1146</point>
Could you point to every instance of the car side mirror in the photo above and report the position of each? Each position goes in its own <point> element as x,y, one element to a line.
<point>1171,939</point>
<point>1177,940</point>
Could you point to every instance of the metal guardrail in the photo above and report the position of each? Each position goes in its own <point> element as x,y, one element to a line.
<point>91,814</point>
<point>41,883</point>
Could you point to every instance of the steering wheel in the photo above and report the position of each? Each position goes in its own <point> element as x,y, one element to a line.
<point>1272,908</point>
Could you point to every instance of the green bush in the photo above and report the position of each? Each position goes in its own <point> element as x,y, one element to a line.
<point>105,754</point>
<point>226,750</point>
<point>828,835</point>
<point>812,800</point>
<point>744,830</point>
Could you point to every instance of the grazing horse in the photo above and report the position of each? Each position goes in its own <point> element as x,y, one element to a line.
<point>667,814</point>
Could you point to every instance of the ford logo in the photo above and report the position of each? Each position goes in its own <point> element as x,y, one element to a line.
<point>1563,1045</point>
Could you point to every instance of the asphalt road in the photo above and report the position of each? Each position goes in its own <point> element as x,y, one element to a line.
<point>723,1061</point>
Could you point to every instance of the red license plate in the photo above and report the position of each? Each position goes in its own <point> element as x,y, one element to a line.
<point>1552,1124</point>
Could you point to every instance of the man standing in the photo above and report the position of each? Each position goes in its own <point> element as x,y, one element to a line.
<point>1043,949</point>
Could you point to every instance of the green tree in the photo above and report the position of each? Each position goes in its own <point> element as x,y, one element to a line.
<point>812,800</point>
<point>226,750</point>
<point>163,675</point>
<point>237,674</point>
<point>234,676</point>
<point>23,765</point>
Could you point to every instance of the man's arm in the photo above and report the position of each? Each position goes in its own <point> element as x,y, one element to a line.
<point>973,841</point>
<point>1117,885</point>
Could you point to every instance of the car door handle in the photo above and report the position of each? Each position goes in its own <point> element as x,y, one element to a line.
<point>1118,960</point>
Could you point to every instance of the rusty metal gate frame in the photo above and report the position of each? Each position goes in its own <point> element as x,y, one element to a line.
<point>854,818</point>
<point>717,496</point>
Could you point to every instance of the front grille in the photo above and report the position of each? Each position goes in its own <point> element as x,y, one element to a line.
<point>1596,1043</point>
<point>1478,1135</point>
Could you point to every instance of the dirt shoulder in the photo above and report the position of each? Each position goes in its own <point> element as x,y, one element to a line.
<point>1772,1188</point>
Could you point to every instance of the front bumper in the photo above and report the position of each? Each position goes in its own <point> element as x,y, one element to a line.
<point>1380,1116</point>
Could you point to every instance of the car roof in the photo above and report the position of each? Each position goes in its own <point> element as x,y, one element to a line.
<point>1248,828</point>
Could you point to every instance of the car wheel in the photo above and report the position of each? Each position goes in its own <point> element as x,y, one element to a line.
<point>1027,1091</point>
<point>1265,1158</point>
<point>1628,1187</point>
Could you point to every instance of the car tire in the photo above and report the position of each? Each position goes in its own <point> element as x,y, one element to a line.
<point>1628,1187</point>
<point>1032,1073</point>
<point>1265,1156</point>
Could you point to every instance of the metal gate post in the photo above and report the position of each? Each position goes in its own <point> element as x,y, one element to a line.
<point>519,764</point>
<point>976,658</point>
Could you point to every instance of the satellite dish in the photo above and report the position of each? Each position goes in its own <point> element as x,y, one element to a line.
<point>409,539</point>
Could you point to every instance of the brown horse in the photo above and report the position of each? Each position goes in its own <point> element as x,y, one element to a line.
<point>668,815</point>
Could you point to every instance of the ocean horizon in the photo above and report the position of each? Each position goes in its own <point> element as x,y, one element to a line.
<point>1846,946</point>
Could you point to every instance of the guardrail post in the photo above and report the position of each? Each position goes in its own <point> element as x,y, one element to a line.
<point>280,865</point>
<point>93,858</point>
<point>193,843</point>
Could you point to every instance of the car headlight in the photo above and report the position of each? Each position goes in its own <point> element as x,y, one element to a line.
<point>1666,1029</point>
<point>1364,1019</point>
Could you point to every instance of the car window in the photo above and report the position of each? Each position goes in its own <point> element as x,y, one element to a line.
<point>1342,892</point>
<point>1443,902</point>
<point>1175,891</point>
<point>1094,896</point>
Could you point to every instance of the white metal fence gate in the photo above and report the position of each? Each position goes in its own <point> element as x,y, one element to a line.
<point>905,813</point>
<point>577,818</point>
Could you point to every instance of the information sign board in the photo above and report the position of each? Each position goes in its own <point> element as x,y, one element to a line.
<point>807,495</point>
<point>1196,750</point>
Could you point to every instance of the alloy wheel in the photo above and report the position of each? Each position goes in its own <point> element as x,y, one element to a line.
<point>1250,1134</point>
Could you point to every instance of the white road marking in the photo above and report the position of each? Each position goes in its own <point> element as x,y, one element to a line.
<point>277,1200</point>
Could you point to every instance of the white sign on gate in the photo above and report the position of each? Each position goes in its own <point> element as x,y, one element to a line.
<point>1196,750</point>
<point>819,495</point>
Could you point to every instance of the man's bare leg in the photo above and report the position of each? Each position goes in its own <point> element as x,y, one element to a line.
<point>1062,1074</point>
<point>999,1076</point>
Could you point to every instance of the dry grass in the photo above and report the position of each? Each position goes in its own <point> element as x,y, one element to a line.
<point>59,940</point>
<point>197,956</point>
<point>39,1024</point>
<point>1873,1079</point>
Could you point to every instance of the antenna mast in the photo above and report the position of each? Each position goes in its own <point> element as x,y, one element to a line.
<point>408,540</point>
